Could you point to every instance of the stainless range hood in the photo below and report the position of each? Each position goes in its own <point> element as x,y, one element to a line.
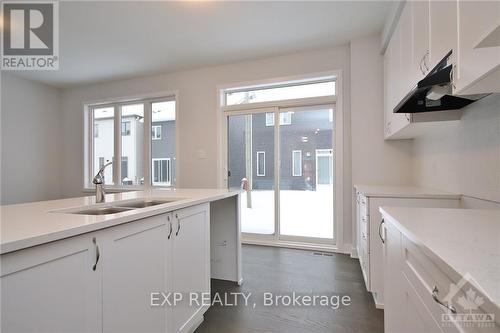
<point>433,93</point>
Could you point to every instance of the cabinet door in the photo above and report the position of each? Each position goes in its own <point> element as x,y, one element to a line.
<point>52,288</point>
<point>190,264</point>
<point>393,276</point>
<point>443,31</point>
<point>476,19</point>
<point>420,21</point>
<point>134,266</point>
<point>417,317</point>
<point>407,80</point>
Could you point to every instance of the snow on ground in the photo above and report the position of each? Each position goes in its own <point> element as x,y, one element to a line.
<point>303,213</point>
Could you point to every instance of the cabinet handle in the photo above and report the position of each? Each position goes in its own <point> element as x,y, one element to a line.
<point>170,232</point>
<point>407,117</point>
<point>426,56</point>
<point>178,227</point>
<point>379,228</point>
<point>435,292</point>
<point>97,254</point>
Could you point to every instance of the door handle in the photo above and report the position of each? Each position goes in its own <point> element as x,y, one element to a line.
<point>379,228</point>
<point>178,225</point>
<point>97,254</point>
<point>170,224</point>
<point>435,292</point>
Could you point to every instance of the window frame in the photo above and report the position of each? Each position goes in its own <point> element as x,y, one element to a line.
<point>117,103</point>
<point>155,137</point>
<point>263,174</point>
<point>338,124</point>
<point>294,174</point>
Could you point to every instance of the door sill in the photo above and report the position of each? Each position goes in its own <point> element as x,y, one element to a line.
<point>291,245</point>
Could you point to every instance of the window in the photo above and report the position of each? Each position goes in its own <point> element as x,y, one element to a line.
<point>261,163</point>
<point>280,91</point>
<point>161,171</point>
<point>269,119</point>
<point>156,132</point>
<point>127,120</point>
<point>285,118</point>
<point>125,128</point>
<point>297,163</point>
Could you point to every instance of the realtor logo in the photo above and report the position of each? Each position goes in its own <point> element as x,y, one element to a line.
<point>30,36</point>
<point>468,299</point>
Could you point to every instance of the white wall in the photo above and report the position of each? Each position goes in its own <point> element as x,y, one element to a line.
<point>31,141</point>
<point>198,118</point>
<point>465,158</point>
<point>374,161</point>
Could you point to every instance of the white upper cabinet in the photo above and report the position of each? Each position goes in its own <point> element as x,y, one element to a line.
<point>425,33</point>
<point>420,30</point>
<point>443,31</point>
<point>478,68</point>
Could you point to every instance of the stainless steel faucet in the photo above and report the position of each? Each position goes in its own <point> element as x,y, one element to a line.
<point>99,183</point>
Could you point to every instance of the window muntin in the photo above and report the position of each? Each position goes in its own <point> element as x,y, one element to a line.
<point>261,163</point>
<point>279,92</point>
<point>103,145</point>
<point>297,163</point>
<point>156,132</point>
<point>163,147</point>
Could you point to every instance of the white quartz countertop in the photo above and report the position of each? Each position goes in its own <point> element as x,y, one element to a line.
<point>404,192</point>
<point>30,224</point>
<point>459,241</point>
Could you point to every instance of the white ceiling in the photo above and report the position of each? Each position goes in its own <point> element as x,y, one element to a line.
<point>102,41</point>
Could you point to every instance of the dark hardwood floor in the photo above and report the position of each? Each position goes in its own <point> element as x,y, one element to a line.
<point>282,271</point>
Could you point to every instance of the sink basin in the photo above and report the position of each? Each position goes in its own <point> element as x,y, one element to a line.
<point>143,203</point>
<point>102,211</point>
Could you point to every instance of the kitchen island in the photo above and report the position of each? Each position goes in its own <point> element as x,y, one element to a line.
<point>82,266</point>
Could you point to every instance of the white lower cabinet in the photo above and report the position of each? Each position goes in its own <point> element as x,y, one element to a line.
<point>369,243</point>
<point>190,265</point>
<point>52,288</point>
<point>134,266</point>
<point>417,289</point>
<point>102,281</point>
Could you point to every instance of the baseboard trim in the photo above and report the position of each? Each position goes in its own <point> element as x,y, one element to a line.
<point>293,245</point>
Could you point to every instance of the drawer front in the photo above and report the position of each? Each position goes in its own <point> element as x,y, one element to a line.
<point>425,277</point>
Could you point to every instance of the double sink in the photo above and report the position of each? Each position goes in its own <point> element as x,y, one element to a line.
<point>120,206</point>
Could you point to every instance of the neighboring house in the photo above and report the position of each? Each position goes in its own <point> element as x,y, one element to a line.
<point>305,146</point>
<point>163,153</point>
<point>132,128</point>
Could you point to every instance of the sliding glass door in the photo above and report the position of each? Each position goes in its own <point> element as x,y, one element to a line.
<point>283,158</point>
